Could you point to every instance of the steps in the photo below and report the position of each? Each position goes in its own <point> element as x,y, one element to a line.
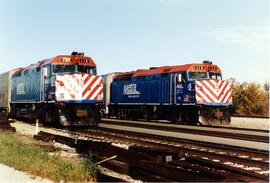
<point>4,124</point>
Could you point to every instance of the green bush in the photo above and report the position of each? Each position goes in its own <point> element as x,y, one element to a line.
<point>250,99</point>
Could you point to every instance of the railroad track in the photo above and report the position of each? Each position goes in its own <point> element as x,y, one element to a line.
<point>245,138</point>
<point>176,125</point>
<point>238,164</point>
<point>155,158</point>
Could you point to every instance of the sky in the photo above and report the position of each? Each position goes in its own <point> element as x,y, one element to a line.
<point>124,35</point>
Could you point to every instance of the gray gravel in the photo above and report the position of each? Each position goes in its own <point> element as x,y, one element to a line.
<point>253,123</point>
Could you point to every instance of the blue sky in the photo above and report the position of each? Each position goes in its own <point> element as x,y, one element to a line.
<point>124,35</point>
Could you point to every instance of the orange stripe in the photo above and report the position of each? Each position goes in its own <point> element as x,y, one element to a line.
<point>92,92</point>
<point>210,91</point>
<point>228,98</point>
<point>221,83</point>
<point>87,78</point>
<point>223,90</point>
<point>206,95</point>
<point>222,101</point>
<point>99,93</point>
<point>89,86</point>
<point>212,83</point>
<point>200,97</point>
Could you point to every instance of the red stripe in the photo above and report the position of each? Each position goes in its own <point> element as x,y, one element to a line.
<point>224,94</point>
<point>99,93</point>
<point>207,96</point>
<point>87,78</point>
<point>221,83</point>
<point>200,97</point>
<point>212,83</point>
<point>230,98</point>
<point>222,101</point>
<point>89,86</point>
<point>92,92</point>
<point>226,85</point>
<point>210,91</point>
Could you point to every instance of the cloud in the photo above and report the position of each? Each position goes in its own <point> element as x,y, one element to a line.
<point>240,34</point>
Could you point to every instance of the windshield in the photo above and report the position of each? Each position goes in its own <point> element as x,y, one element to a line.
<point>63,68</point>
<point>74,68</point>
<point>213,75</point>
<point>204,75</point>
<point>197,75</point>
<point>86,69</point>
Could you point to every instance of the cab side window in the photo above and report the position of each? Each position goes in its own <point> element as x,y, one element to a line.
<point>181,77</point>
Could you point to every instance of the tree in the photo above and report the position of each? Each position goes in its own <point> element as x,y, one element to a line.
<point>250,99</point>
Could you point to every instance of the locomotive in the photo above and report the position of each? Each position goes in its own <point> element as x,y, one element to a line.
<point>64,90</point>
<point>190,93</point>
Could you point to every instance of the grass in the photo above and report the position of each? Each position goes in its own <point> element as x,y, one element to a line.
<point>24,154</point>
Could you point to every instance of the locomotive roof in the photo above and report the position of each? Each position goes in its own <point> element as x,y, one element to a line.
<point>60,59</point>
<point>197,67</point>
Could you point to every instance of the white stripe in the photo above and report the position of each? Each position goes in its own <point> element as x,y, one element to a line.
<point>219,81</point>
<point>203,96</point>
<point>92,87</point>
<point>96,93</point>
<point>210,86</point>
<point>222,87</point>
<point>229,88</point>
<point>86,94</point>
<point>70,85</point>
<point>208,93</point>
<point>225,91</point>
<point>85,76</point>
<point>88,82</point>
<point>227,97</point>
<point>215,84</point>
<point>78,77</point>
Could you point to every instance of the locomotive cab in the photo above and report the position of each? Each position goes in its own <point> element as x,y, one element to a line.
<point>64,89</point>
<point>190,93</point>
<point>212,95</point>
<point>78,91</point>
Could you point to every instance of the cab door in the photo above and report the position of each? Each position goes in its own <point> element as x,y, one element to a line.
<point>180,88</point>
<point>44,82</point>
<point>173,78</point>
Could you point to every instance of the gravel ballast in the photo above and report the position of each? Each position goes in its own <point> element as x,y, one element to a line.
<point>252,123</point>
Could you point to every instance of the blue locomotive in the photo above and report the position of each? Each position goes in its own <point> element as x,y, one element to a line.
<point>186,93</point>
<point>64,89</point>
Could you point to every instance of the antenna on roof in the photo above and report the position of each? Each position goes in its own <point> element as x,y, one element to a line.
<point>74,53</point>
<point>207,62</point>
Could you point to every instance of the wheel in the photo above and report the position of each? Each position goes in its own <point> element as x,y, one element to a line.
<point>94,117</point>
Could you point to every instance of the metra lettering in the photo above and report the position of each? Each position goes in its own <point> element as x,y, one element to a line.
<point>130,89</point>
<point>20,89</point>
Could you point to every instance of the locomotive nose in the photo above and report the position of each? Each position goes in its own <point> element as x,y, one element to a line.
<point>213,91</point>
<point>79,87</point>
